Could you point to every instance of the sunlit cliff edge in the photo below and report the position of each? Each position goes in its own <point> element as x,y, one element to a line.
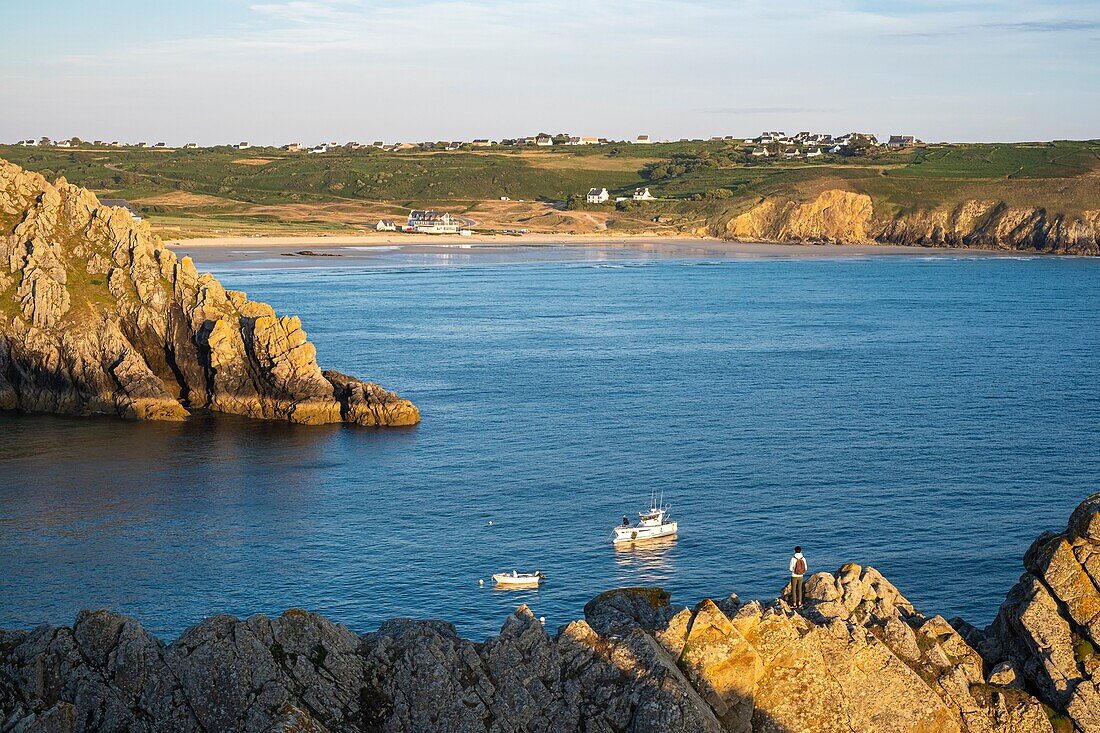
<point>98,317</point>
<point>845,217</point>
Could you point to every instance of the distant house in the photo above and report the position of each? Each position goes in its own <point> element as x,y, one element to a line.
<point>242,146</point>
<point>121,203</point>
<point>63,144</point>
<point>643,194</point>
<point>790,152</point>
<point>482,143</point>
<point>378,144</point>
<point>386,225</point>
<point>293,147</point>
<point>142,145</point>
<point>643,140</point>
<point>29,143</point>
<point>836,149</point>
<point>813,153</point>
<point>760,153</point>
<point>318,149</point>
<point>865,136</point>
<point>190,146</point>
<point>432,222</point>
<point>160,145</point>
<point>404,146</point>
<point>544,141</point>
<point>901,141</point>
<point>597,196</point>
<point>584,141</point>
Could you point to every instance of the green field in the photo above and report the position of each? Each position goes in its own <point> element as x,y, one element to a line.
<point>222,190</point>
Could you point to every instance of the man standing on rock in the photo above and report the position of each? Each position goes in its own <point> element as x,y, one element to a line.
<point>798,569</point>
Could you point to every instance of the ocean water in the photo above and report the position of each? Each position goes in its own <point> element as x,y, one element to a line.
<point>926,415</point>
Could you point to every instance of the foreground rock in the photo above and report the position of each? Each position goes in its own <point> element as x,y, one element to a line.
<point>859,658</point>
<point>847,217</point>
<point>97,316</point>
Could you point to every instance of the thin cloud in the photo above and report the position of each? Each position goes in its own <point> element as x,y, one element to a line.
<point>1023,27</point>
<point>767,110</point>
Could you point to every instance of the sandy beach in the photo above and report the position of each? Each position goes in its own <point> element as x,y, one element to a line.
<point>225,249</point>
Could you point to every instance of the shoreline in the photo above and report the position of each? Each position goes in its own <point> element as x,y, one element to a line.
<point>363,246</point>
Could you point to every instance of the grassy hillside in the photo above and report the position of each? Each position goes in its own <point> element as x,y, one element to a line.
<point>190,192</point>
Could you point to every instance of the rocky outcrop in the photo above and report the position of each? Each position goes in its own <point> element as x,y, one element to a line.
<point>1048,628</point>
<point>840,216</point>
<point>834,216</point>
<point>98,317</point>
<point>858,658</point>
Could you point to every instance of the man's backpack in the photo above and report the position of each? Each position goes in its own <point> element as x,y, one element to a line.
<point>800,566</point>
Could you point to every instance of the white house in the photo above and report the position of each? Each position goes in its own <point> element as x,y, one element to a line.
<point>836,149</point>
<point>293,147</point>
<point>643,194</point>
<point>813,153</point>
<point>760,153</point>
<point>190,146</point>
<point>319,149</point>
<point>643,140</point>
<point>584,141</point>
<point>432,222</point>
<point>790,152</point>
<point>63,144</point>
<point>544,141</point>
<point>597,196</point>
<point>386,225</point>
<point>482,142</point>
<point>242,146</point>
<point>160,145</point>
<point>29,143</point>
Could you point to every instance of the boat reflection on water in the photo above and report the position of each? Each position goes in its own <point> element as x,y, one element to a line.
<point>652,561</point>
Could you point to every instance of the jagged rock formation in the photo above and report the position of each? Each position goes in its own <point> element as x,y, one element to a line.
<point>846,217</point>
<point>859,658</point>
<point>97,316</point>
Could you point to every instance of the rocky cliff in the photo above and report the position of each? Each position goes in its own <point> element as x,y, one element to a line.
<point>846,217</point>
<point>97,316</point>
<point>859,657</point>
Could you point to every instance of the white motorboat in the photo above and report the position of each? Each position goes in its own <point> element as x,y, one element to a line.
<point>519,580</point>
<point>652,524</point>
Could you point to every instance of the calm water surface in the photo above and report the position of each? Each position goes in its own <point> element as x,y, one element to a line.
<point>929,416</point>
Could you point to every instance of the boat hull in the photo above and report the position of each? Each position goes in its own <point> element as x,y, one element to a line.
<point>628,535</point>
<point>511,581</point>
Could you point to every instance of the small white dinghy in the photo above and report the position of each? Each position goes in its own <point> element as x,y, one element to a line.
<point>519,580</point>
<point>653,524</point>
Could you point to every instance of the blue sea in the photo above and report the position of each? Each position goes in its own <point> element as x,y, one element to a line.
<point>928,415</point>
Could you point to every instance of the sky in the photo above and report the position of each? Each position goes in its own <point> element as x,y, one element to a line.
<point>279,71</point>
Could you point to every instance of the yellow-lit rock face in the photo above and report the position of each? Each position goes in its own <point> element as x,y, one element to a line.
<point>836,216</point>
<point>98,317</point>
<point>839,216</point>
